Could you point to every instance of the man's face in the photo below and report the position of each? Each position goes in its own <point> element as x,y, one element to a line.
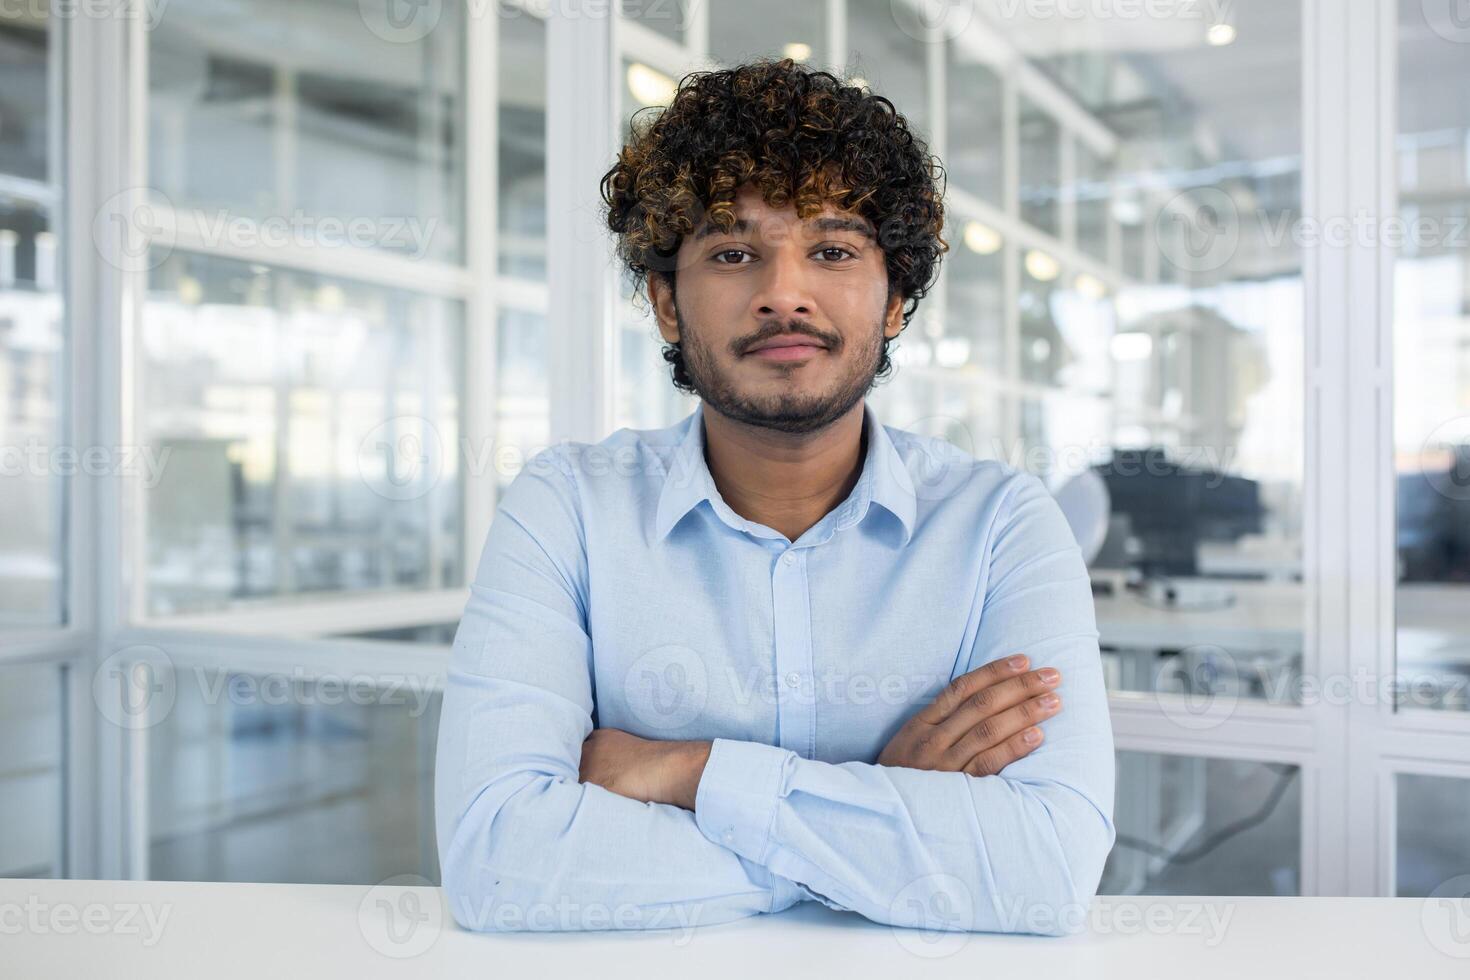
<point>775,279</point>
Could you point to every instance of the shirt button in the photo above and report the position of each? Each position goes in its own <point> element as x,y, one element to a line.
<point>729,837</point>
<point>793,679</point>
<point>789,558</point>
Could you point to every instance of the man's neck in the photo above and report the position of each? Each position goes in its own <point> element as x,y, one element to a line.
<point>786,482</point>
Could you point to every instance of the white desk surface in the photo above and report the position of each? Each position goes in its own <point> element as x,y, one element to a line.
<point>323,932</point>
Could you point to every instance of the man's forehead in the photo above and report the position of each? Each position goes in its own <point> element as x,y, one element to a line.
<point>784,221</point>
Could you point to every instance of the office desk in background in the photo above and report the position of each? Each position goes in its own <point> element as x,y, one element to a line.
<point>1253,648</point>
<point>1269,617</point>
<point>251,932</point>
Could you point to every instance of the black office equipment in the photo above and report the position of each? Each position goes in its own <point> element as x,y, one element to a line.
<point>1172,507</point>
<point>1434,522</point>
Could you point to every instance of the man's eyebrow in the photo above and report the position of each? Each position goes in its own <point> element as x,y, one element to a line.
<point>740,226</point>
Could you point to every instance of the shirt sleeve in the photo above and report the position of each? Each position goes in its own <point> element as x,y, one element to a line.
<point>1020,851</point>
<point>523,845</point>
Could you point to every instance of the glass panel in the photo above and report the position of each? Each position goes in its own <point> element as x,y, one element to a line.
<point>34,458</point>
<point>1432,359</point>
<point>313,110</point>
<point>1433,842</point>
<point>975,302</point>
<point>521,76</point>
<point>1093,200</point>
<point>1174,437</point>
<point>643,87</point>
<point>1194,826</point>
<point>646,396</point>
<point>523,404</point>
<point>740,32</point>
<point>974,114</point>
<point>667,17</point>
<point>308,425</point>
<point>273,778</point>
<point>523,400</point>
<point>968,416</point>
<point>884,51</point>
<point>1043,351</point>
<point>30,772</point>
<point>1039,167</point>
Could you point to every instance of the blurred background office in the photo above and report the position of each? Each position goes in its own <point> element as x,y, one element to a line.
<point>289,268</point>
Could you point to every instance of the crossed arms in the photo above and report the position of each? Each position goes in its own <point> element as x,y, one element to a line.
<point>960,824</point>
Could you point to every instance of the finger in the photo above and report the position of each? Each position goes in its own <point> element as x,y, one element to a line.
<point>966,685</point>
<point>992,700</point>
<point>992,761</point>
<point>995,730</point>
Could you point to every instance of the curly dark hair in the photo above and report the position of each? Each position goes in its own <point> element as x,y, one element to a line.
<point>806,139</point>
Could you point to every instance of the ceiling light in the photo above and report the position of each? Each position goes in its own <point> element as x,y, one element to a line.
<point>951,352</point>
<point>1089,286</point>
<point>1220,35</point>
<point>190,291</point>
<point>1040,266</point>
<point>982,238</point>
<point>648,86</point>
<point>797,51</point>
<point>1135,346</point>
<point>1127,211</point>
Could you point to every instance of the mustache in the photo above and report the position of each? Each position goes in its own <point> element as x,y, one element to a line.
<point>775,328</point>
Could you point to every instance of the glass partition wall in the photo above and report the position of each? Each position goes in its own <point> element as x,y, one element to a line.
<point>317,242</point>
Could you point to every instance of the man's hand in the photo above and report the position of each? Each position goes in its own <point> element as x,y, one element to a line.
<point>978,724</point>
<point>644,769</point>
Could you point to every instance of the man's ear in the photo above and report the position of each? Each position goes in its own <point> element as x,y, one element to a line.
<point>661,293</point>
<point>893,316</point>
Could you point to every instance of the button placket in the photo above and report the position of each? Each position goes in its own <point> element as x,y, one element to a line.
<point>793,652</point>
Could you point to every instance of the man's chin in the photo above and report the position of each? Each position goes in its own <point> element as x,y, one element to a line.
<point>784,413</point>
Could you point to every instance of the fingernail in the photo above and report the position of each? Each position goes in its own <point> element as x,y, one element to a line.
<point>1049,700</point>
<point>1049,674</point>
<point>1032,736</point>
<point>1017,662</point>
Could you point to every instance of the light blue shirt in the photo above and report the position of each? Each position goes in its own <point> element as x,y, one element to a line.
<point>617,589</point>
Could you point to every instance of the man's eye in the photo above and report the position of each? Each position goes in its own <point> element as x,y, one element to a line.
<point>729,251</point>
<point>841,252</point>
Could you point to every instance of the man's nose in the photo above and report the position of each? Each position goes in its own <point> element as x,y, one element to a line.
<point>785,288</point>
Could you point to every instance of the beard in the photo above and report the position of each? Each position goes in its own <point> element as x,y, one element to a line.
<point>784,411</point>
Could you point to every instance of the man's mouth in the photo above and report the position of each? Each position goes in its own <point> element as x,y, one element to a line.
<point>787,347</point>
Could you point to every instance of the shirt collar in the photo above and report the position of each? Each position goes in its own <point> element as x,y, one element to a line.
<point>885,481</point>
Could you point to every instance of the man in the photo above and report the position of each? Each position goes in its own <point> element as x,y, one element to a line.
<point>778,652</point>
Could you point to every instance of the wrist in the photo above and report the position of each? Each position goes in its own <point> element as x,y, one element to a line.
<point>689,760</point>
